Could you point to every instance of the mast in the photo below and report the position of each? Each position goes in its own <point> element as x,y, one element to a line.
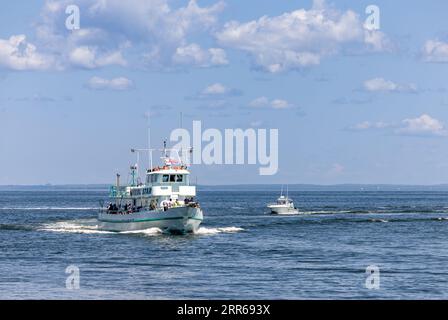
<point>149,140</point>
<point>180,120</point>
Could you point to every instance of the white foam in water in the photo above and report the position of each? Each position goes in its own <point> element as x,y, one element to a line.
<point>204,230</point>
<point>148,232</point>
<point>88,227</point>
<point>72,227</point>
<point>379,220</point>
<point>48,208</point>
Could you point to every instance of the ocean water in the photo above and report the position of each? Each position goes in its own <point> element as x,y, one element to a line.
<point>240,251</point>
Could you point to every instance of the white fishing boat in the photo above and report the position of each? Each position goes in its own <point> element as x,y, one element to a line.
<point>284,205</point>
<point>165,199</point>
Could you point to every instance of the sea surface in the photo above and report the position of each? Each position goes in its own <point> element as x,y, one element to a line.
<point>240,251</point>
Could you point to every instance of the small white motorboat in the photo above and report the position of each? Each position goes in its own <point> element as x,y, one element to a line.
<point>284,205</point>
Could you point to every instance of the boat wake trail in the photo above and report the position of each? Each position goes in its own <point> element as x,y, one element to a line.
<point>147,232</point>
<point>48,208</point>
<point>208,231</point>
<point>91,227</point>
<point>85,226</point>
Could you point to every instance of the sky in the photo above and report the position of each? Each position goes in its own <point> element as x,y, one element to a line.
<point>352,105</point>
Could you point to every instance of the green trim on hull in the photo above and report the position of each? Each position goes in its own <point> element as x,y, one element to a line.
<point>145,220</point>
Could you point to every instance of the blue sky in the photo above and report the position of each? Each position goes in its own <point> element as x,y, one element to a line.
<point>351,105</point>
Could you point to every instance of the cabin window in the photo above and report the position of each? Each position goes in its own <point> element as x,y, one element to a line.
<point>173,178</point>
<point>179,178</point>
<point>166,178</point>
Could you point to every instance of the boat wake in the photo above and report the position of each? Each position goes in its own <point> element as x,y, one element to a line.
<point>47,208</point>
<point>91,227</point>
<point>209,231</point>
<point>147,232</point>
<point>87,227</point>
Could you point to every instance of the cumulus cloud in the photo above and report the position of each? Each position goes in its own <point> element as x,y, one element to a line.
<point>193,54</point>
<point>263,102</point>
<point>259,102</point>
<point>382,85</point>
<point>217,91</point>
<point>87,57</point>
<point>377,41</point>
<point>423,125</point>
<point>216,88</point>
<point>299,38</point>
<point>17,53</point>
<point>435,51</point>
<point>120,83</point>
<point>365,125</point>
<point>115,32</point>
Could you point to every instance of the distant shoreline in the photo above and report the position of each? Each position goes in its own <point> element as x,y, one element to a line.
<point>248,187</point>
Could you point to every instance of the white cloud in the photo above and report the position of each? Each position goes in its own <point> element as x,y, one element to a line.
<point>112,30</point>
<point>365,125</point>
<point>217,91</point>
<point>18,54</point>
<point>263,102</point>
<point>87,57</point>
<point>299,38</point>
<point>280,104</point>
<point>120,83</point>
<point>382,85</point>
<point>194,55</point>
<point>377,41</point>
<point>259,102</point>
<point>423,125</point>
<point>435,51</point>
<point>216,88</point>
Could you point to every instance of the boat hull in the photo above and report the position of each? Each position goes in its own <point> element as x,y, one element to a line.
<point>283,210</point>
<point>174,220</point>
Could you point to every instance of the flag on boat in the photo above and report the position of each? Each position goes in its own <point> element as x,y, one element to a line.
<point>170,161</point>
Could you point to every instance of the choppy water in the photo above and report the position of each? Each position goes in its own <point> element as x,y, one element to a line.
<point>239,252</point>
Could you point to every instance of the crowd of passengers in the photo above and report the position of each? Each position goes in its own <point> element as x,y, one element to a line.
<point>127,208</point>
